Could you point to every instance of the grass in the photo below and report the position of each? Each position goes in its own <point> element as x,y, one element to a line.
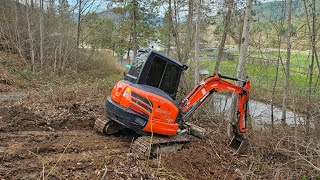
<point>95,68</point>
<point>262,73</point>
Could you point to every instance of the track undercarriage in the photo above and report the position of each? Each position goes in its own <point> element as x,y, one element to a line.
<point>150,145</point>
<point>153,145</point>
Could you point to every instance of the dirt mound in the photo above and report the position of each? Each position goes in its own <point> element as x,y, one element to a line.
<point>60,154</point>
<point>205,159</point>
<point>76,117</point>
<point>19,118</point>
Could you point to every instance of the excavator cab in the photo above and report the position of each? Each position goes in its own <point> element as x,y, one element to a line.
<point>157,70</point>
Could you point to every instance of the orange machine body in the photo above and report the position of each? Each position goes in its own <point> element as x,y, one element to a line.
<point>161,113</point>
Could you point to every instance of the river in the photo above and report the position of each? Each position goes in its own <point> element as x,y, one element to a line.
<point>260,111</point>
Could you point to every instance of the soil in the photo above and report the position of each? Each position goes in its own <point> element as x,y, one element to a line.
<point>52,136</point>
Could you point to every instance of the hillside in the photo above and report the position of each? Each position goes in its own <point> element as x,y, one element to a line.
<point>46,131</point>
<point>274,10</point>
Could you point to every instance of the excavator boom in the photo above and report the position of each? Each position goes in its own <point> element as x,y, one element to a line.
<point>216,83</point>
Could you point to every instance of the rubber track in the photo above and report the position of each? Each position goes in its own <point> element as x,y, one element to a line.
<point>99,124</point>
<point>142,145</point>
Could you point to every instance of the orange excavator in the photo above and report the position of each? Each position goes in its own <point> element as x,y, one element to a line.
<point>145,103</point>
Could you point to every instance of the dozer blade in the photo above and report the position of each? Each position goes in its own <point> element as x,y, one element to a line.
<point>241,145</point>
<point>194,130</point>
<point>147,146</point>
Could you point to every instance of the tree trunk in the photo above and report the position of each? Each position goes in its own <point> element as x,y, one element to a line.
<point>241,65</point>
<point>17,31</point>
<point>128,55</point>
<point>312,32</point>
<point>78,34</point>
<point>61,61</point>
<point>79,22</point>
<point>41,32</point>
<point>170,28</point>
<point>277,74</point>
<point>224,35</point>
<point>315,57</point>
<point>275,82</point>
<point>168,42</point>
<point>29,23</point>
<point>286,87</point>
<point>188,39</point>
<point>134,30</point>
<point>197,44</point>
<point>175,30</point>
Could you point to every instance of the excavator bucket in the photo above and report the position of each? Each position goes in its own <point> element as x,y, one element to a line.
<point>241,145</point>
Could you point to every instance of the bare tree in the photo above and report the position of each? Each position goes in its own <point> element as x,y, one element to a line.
<point>30,32</point>
<point>41,30</point>
<point>189,32</point>
<point>229,4</point>
<point>277,71</point>
<point>134,28</point>
<point>312,32</point>
<point>197,43</point>
<point>79,21</point>
<point>175,28</point>
<point>286,87</point>
<point>241,63</point>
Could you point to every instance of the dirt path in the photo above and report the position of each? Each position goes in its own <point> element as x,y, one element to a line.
<point>45,136</point>
<point>11,96</point>
<point>67,147</point>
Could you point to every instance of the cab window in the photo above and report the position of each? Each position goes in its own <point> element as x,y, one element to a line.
<point>155,74</point>
<point>137,64</point>
<point>163,75</point>
<point>169,80</point>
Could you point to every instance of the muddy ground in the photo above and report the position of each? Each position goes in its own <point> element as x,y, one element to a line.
<point>51,135</point>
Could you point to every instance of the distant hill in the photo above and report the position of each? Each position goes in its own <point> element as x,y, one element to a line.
<point>275,10</point>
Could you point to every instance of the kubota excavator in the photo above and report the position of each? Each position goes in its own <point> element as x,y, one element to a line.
<point>144,102</point>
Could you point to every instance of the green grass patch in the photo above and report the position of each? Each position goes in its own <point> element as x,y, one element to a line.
<point>262,73</point>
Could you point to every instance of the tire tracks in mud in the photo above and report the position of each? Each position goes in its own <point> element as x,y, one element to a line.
<point>74,153</point>
<point>66,147</point>
<point>39,136</point>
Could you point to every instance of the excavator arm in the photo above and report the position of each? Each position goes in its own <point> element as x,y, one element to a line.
<point>216,83</point>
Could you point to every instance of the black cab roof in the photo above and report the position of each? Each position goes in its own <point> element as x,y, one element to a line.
<point>163,56</point>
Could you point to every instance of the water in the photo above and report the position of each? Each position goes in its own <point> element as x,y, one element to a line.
<point>260,112</point>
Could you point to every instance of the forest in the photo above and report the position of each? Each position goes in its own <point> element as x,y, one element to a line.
<point>60,61</point>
